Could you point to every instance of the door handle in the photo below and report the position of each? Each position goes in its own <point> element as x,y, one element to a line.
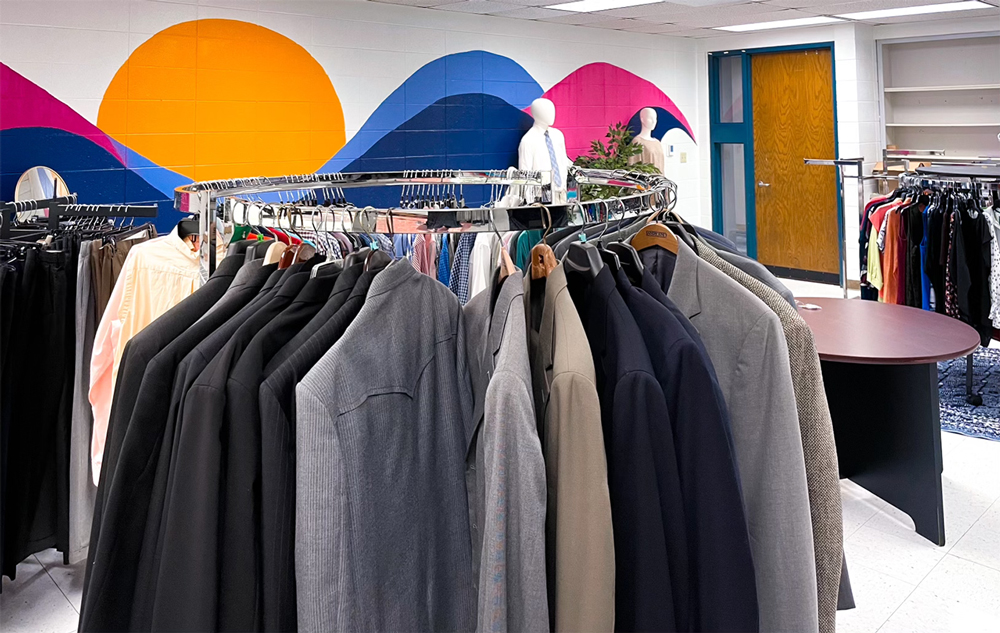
<point>761,183</point>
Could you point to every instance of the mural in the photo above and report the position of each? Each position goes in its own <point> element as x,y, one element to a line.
<point>187,105</point>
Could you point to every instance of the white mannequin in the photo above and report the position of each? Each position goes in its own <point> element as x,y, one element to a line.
<point>533,152</point>
<point>652,149</point>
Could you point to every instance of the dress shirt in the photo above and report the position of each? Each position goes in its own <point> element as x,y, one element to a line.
<point>482,262</point>
<point>374,440</point>
<point>533,154</point>
<point>631,403</point>
<point>444,263</point>
<point>748,350</point>
<point>505,475</point>
<point>425,254</point>
<point>277,415</point>
<point>240,557</point>
<point>580,550</point>
<point>134,432</point>
<point>818,446</point>
<point>715,589</point>
<point>459,280</point>
<point>156,276</point>
<point>189,588</point>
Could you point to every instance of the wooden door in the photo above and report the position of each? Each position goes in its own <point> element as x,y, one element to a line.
<point>796,205</point>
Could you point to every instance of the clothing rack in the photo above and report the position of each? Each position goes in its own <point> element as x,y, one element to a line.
<point>63,208</point>
<point>323,198</point>
<point>840,164</point>
<point>19,206</point>
<point>969,175</point>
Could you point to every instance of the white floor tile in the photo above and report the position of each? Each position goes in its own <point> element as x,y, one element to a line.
<point>981,544</point>
<point>811,289</point>
<point>905,559</point>
<point>69,578</point>
<point>876,594</point>
<point>34,604</point>
<point>858,504</point>
<point>958,596</point>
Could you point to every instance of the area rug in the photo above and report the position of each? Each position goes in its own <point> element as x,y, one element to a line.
<point>957,416</point>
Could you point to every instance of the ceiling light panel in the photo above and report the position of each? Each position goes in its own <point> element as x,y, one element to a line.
<point>586,6</point>
<point>947,7</point>
<point>779,24</point>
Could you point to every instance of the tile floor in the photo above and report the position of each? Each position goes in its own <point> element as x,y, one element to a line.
<point>902,582</point>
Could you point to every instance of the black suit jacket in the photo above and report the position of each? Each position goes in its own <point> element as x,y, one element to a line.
<point>239,561</point>
<point>107,589</point>
<point>719,590</point>
<point>188,556</point>
<point>632,404</point>
<point>277,409</point>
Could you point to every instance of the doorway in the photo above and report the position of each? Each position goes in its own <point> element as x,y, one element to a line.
<point>770,109</point>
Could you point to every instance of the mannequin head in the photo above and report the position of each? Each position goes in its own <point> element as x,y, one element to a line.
<point>647,117</point>
<point>543,112</point>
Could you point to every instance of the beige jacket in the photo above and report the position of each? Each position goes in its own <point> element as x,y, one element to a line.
<point>818,446</point>
<point>579,540</point>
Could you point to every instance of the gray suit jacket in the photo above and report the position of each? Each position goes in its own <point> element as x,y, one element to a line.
<point>580,547</point>
<point>506,476</point>
<point>818,446</point>
<point>747,347</point>
<point>382,539</point>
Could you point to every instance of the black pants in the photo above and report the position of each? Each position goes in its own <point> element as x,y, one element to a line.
<point>39,360</point>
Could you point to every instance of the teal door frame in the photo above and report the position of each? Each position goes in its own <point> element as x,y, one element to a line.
<point>724,133</point>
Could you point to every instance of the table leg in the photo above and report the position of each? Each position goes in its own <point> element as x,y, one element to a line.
<point>887,426</point>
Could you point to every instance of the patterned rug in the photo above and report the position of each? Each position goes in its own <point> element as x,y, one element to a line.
<point>957,416</point>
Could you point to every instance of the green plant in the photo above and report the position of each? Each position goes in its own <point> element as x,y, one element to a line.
<point>613,155</point>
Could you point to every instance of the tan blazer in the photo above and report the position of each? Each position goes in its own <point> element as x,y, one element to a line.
<point>579,541</point>
<point>818,446</point>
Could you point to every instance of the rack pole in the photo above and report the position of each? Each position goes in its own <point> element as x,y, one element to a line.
<point>840,163</point>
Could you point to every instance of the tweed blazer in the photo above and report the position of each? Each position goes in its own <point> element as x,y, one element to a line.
<point>818,446</point>
<point>505,474</point>
<point>745,342</point>
<point>579,540</point>
<point>383,421</point>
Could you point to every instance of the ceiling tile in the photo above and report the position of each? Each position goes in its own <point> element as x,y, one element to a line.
<point>480,6</point>
<point>656,29</point>
<point>698,33</point>
<point>847,6</point>
<point>531,13</point>
<point>618,24</point>
<point>575,18</point>
<point>419,3</point>
<point>722,18</point>
<point>798,4</point>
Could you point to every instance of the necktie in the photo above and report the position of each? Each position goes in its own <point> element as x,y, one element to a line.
<point>556,171</point>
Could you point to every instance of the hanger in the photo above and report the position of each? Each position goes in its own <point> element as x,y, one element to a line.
<point>373,257</point>
<point>629,259</point>
<point>543,259</point>
<point>654,234</point>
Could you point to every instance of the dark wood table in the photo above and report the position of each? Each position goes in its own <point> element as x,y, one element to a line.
<point>880,371</point>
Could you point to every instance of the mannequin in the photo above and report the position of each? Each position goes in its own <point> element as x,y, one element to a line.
<point>533,152</point>
<point>652,149</point>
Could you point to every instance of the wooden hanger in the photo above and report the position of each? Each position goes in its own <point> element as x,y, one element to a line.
<point>655,234</point>
<point>274,253</point>
<point>543,258</point>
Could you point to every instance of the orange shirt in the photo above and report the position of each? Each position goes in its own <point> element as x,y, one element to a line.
<point>891,273</point>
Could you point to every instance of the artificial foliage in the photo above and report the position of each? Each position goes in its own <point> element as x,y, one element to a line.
<point>614,154</point>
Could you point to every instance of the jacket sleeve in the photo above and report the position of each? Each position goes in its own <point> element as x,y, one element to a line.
<point>512,578</point>
<point>773,477</point>
<point>581,541</point>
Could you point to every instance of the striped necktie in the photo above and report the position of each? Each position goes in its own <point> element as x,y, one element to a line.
<point>556,171</point>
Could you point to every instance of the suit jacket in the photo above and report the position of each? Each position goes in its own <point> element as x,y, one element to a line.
<point>277,406</point>
<point>631,404</point>
<point>759,272</point>
<point>747,347</point>
<point>117,529</point>
<point>382,538</point>
<point>580,548</point>
<point>818,445</point>
<point>240,558</point>
<point>718,581</point>
<point>505,473</point>
<point>188,587</point>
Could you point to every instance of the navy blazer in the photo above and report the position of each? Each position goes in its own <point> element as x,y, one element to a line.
<point>632,404</point>
<point>722,583</point>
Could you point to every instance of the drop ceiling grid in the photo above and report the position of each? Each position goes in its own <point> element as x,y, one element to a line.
<point>688,18</point>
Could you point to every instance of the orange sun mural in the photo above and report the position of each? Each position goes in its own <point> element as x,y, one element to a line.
<point>223,99</point>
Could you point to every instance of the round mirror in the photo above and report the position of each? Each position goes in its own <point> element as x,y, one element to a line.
<point>38,183</point>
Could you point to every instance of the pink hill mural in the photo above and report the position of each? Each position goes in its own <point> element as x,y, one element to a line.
<point>597,95</point>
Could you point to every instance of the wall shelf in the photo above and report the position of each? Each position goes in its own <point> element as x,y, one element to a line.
<point>944,88</point>
<point>942,124</point>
